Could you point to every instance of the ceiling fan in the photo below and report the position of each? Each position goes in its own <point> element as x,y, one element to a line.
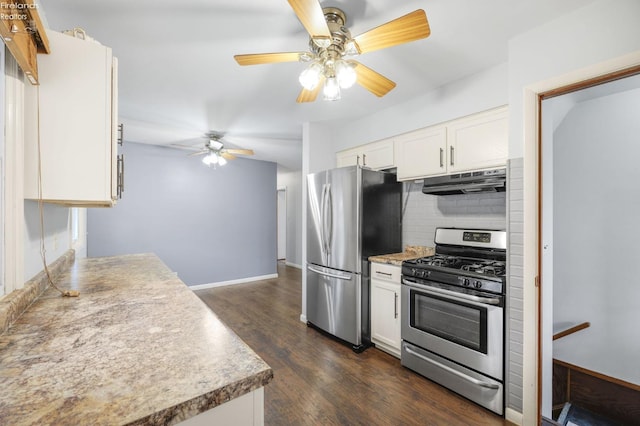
<point>330,42</point>
<point>215,152</point>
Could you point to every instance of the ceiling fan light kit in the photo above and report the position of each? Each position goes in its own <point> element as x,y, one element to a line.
<point>330,41</point>
<point>215,154</point>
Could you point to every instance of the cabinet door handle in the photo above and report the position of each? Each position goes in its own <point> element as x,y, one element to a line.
<point>395,305</point>
<point>357,160</point>
<point>364,159</point>
<point>120,133</point>
<point>120,178</point>
<point>441,157</point>
<point>451,155</point>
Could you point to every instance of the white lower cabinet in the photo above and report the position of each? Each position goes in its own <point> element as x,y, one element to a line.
<point>385,307</point>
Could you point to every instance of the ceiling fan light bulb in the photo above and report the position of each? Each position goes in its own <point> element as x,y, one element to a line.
<point>331,91</point>
<point>346,74</point>
<point>222,161</point>
<point>310,77</point>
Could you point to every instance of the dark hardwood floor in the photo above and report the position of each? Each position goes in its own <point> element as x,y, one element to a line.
<point>318,381</point>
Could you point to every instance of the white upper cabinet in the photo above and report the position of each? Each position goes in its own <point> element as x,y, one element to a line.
<point>479,141</point>
<point>414,153</point>
<point>71,120</point>
<point>376,155</point>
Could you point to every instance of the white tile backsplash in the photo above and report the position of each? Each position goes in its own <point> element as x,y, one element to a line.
<point>424,213</point>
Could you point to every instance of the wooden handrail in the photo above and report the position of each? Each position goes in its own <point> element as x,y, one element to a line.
<point>570,330</point>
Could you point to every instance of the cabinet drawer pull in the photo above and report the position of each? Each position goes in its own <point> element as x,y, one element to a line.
<point>120,133</point>
<point>451,155</point>
<point>386,274</point>
<point>441,157</point>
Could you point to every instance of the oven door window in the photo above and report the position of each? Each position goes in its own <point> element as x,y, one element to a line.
<point>455,321</point>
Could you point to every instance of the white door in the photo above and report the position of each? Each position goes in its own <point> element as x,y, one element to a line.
<point>282,223</point>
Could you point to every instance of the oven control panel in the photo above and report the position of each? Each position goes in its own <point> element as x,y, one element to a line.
<point>480,284</point>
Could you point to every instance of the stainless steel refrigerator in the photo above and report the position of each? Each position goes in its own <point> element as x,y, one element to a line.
<point>352,213</point>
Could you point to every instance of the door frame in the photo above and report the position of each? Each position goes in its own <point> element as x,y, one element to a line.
<point>281,240</point>
<point>533,95</point>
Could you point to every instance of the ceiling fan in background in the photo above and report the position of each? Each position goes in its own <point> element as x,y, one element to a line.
<point>214,151</point>
<point>331,44</point>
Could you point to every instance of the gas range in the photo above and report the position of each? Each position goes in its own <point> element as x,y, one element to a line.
<point>474,259</point>
<point>452,322</point>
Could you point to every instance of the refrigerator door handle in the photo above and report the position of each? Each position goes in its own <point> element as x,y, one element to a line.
<point>329,220</point>
<point>323,203</point>
<point>346,277</point>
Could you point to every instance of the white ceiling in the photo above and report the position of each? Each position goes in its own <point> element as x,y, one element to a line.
<point>178,78</point>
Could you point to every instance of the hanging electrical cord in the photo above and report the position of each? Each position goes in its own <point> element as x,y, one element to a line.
<point>65,293</point>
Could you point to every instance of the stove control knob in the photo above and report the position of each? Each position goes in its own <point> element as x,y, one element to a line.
<point>413,271</point>
<point>478,284</point>
<point>466,282</point>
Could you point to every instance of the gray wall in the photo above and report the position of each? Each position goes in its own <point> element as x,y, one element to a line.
<point>209,225</point>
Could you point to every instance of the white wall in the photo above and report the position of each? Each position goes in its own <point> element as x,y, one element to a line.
<point>564,50</point>
<point>595,258</point>
<point>292,181</point>
<point>57,236</point>
<point>469,95</point>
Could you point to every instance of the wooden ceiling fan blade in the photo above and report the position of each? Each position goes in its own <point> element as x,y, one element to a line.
<point>228,156</point>
<point>310,95</point>
<point>373,81</point>
<point>268,58</point>
<point>239,151</point>
<point>311,16</point>
<point>410,27</point>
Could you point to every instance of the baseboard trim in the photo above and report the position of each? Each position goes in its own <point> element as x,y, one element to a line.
<point>232,282</point>
<point>293,265</point>
<point>303,318</point>
<point>513,416</point>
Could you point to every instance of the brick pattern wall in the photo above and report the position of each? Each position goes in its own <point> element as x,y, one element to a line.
<point>515,263</point>
<point>424,213</point>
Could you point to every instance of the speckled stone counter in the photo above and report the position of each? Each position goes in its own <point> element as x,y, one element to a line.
<point>410,252</point>
<point>137,347</point>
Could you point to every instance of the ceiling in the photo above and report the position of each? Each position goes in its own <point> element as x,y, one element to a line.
<point>178,78</point>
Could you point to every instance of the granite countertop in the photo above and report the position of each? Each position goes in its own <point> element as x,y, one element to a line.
<point>137,347</point>
<point>410,252</point>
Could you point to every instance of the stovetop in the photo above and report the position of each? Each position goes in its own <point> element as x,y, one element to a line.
<point>474,259</point>
<point>479,266</point>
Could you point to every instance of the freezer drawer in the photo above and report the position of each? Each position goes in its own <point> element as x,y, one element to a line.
<point>334,302</point>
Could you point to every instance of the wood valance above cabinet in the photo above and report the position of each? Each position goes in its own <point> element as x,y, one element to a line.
<point>23,34</point>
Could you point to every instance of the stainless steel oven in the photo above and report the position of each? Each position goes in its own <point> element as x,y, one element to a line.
<point>452,322</point>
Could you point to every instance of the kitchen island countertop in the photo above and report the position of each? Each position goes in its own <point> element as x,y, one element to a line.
<point>410,252</point>
<point>136,347</point>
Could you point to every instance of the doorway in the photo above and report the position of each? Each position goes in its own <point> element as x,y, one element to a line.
<point>282,223</point>
<point>590,204</point>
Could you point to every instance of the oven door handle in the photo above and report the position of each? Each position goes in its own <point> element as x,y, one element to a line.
<point>453,294</point>
<point>451,370</point>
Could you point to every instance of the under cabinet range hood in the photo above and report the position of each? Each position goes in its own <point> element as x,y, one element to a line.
<point>494,180</point>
